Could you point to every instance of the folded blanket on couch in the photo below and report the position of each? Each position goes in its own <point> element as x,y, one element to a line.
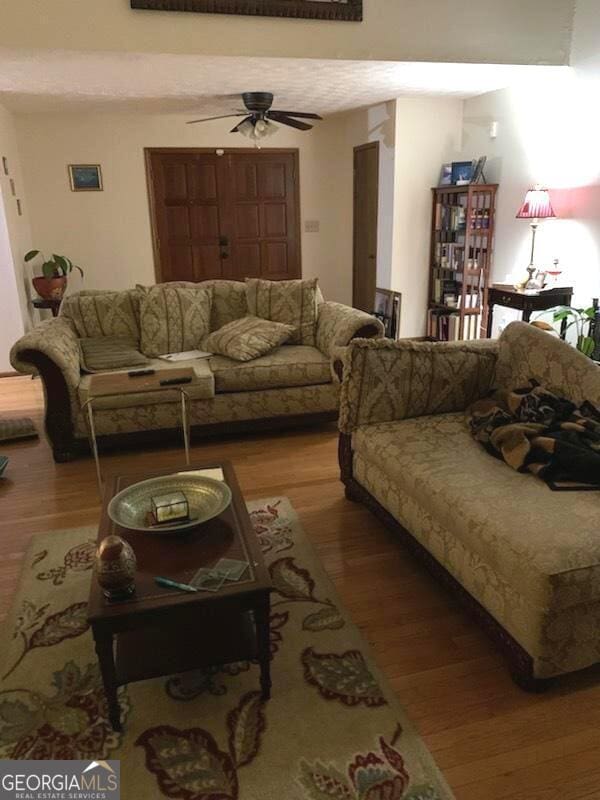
<point>534,430</point>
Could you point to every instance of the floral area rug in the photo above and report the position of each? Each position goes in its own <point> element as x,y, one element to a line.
<point>332,730</point>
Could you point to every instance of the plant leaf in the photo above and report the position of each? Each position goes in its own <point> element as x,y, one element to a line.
<point>188,764</point>
<point>291,581</point>
<point>422,793</point>
<point>49,269</point>
<point>586,345</point>
<point>344,677</point>
<point>327,618</point>
<point>62,263</point>
<point>324,782</point>
<point>66,624</point>
<point>246,723</point>
<point>31,255</point>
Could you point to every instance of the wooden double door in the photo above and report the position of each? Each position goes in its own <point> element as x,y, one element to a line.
<point>234,215</point>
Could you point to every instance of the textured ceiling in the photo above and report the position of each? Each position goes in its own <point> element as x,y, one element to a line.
<point>57,80</point>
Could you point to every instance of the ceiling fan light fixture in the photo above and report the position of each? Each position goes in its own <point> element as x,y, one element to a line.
<point>257,130</point>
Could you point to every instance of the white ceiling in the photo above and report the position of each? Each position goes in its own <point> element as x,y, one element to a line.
<point>54,80</point>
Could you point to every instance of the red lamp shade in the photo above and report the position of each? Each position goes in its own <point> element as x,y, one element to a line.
<point>536,205</point>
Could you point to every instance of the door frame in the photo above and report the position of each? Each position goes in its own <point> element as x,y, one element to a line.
<point>367,146</point>
<point>150,151</point>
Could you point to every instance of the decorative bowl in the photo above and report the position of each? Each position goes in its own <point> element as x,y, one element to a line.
<point>207,498</point>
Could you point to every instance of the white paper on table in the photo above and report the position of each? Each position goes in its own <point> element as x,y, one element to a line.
<point>215,473</point>
<point>188,355</point>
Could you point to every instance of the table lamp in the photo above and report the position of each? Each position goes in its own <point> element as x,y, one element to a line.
<point>536,206</point>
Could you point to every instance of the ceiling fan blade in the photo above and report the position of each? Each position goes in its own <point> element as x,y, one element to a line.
<point>239,125</point>
<point>299,114</point>
<point>277,116</point>
<point>208,119</point>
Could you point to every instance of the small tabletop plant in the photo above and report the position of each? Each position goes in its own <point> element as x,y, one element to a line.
<point>55,267</point>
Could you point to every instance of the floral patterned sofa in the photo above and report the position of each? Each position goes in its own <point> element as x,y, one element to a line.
<point>524,559</point>
<point>293,384</point>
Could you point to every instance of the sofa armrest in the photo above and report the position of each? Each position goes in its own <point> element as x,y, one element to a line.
<point>386,380</point>
<point>51,350</point>
<point>338,324</point>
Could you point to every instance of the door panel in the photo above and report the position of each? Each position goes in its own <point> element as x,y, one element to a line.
<point>186,205</point>
<point>230,216</point>
<point>366,191</point>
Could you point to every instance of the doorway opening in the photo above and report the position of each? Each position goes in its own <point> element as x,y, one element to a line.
<point>10,305</point>
<point>366,214</point>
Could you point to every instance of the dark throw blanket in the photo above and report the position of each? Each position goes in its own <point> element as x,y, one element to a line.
<point>534,430</point>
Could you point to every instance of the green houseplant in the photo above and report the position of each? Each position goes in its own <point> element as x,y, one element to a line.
<point>578,317</point>
<point>52,283</point>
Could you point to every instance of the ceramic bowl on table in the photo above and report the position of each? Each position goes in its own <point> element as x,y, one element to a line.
<point>207,498</point>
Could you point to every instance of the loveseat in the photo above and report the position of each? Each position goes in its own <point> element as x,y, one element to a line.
<point>523,558</point>
<point>292,384</point>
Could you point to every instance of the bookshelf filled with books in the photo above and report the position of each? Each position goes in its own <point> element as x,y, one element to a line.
<point>462,241</point>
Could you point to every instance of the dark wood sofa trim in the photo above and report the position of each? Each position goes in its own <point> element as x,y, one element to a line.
<point>58,420</point>
<point>519,660</point>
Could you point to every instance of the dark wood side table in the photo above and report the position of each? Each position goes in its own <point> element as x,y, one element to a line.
<point>160,631</point>
<point>504,295</point>
<point>53,305</point>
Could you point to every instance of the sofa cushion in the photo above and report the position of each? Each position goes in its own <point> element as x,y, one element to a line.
<point>229,299</point>
<point>247,338</point>
<point>202,387</point>
<point>295,365</point>
<point>96,314</point>
<point>291,302</point>
<point>544,543</point>
<point>174,319</point>
<point>110,352</point>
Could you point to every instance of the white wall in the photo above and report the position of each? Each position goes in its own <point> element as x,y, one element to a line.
<point>345,132</point>
<point>510,31</point>
<point>547,134</point>
<point>108,232</point>
<point>428,133</point>
<point>15,240</point>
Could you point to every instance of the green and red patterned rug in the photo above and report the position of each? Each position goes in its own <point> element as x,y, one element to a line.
<point>333,729</point>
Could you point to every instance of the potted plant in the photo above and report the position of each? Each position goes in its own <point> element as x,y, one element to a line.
<point>55,271</point>
<point>581,318</point>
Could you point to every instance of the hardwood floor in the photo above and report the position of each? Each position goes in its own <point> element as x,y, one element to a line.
<point>491,740</point>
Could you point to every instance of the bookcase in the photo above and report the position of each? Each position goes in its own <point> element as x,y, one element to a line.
<point>462,243</point>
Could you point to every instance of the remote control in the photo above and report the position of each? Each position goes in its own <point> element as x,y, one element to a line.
<point>175,381</point>
<point>138,373</point>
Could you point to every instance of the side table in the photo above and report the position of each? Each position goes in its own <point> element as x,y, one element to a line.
<point>53,305</point>
<point>118,384</point>
<point>504,295</point>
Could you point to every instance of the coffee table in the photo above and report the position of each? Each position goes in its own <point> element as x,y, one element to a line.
<point>160,631</point>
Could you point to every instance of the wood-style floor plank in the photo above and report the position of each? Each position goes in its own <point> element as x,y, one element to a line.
<point>491,740</point>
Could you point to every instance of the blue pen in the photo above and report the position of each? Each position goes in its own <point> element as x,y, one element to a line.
<point>184,587</point>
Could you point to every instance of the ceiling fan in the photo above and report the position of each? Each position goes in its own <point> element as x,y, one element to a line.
<point>259,117</point>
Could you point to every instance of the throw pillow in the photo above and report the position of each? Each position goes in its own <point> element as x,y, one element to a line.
<point>290,302</point>
<point>110,352</point>
<point>247,338</point>
<point>174,319</point>
<point>104,314</point>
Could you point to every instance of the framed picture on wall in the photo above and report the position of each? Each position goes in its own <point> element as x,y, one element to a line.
<point>85,177</point>
<point>348,10</point>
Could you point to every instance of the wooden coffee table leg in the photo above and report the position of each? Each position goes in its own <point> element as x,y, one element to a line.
<point>262,616</point>
<point>104,650</point>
